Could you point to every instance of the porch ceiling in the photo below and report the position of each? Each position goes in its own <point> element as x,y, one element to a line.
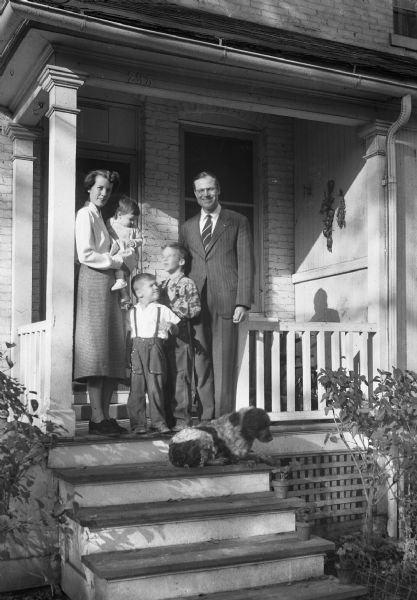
<point>253,68</point>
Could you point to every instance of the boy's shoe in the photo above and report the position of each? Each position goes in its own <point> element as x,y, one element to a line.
<point>102,428</point>
<point>163,429</point>
<point>140,430</point>
<point>119,285</point>
<point>116,427</point>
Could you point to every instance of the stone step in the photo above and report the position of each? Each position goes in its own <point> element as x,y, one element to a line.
<point>158,482</point>
<point>203,568</point>
<point>93,450</point>
<point>135,526</point>
<point>325,588</point>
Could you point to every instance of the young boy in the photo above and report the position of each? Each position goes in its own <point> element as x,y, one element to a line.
<point>149,325</point>
<point>181,295</point>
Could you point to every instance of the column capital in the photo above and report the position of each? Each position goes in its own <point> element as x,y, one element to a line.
<point>15,131</point>
<point>373,128</point>
<point>53,75</point>
<point>375,136</point>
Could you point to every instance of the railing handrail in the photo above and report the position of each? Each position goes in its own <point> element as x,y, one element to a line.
<point>271,324</point>
<point>32,327</point>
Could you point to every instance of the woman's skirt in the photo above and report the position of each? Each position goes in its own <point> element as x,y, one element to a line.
<point>99,346</point>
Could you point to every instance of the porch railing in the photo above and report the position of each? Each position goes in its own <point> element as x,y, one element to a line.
<point>32,358</point>
<point>279,362</point>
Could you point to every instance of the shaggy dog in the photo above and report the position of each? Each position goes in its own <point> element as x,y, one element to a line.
<point>227,439</point>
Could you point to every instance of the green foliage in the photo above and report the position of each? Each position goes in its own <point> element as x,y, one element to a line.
<point>24,443</point>
<point>306,513</point>
<point>378,426</point>
<point>282,471</point>
<point>353,551</point>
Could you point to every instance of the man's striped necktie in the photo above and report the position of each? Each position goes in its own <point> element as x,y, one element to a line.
<point>206,233</point>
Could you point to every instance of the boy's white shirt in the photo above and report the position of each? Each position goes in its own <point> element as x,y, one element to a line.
<point>146,320</point>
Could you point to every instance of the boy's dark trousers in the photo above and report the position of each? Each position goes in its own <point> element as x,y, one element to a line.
<point>178,389</point>
<point>148,375</point>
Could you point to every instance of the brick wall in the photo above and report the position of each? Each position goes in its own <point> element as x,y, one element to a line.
<point>5,233</point>
<point>279,219</point>
<point>161,210</point>
<point>362,22</point>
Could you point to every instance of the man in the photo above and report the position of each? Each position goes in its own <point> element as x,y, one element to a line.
<point>220,245</point>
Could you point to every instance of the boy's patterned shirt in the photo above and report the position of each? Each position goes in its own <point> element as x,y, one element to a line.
<point>181,296</point>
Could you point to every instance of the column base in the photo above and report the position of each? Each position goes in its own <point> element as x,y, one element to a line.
<point>64,419</point>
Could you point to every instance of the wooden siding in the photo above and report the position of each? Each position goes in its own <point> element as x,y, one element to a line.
<point>326,152</point>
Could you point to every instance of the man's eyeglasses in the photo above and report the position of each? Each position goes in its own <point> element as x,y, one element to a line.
<point>209,190</point>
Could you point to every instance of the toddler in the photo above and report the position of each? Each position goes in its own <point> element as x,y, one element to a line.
<point>123,228</point>
<point>149,326</point>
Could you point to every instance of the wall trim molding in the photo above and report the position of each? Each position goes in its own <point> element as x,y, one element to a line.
<point>357,264</point>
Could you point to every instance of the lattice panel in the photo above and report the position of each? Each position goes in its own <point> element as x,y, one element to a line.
<point>331,482</point>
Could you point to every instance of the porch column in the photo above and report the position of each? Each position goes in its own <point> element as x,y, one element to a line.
<point>61,85</point>
<point>375,135</point>
<point>23,159</point>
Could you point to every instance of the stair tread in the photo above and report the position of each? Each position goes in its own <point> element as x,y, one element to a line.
<point>314,589</point>
<point>184,510</point>
<point>150,471</point>
<point>200,556</point>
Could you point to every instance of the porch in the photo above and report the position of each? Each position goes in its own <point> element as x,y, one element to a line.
<point>81,107</point>
<point>83,90</point>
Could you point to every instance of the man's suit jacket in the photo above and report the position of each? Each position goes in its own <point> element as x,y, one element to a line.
<point>227,266</point>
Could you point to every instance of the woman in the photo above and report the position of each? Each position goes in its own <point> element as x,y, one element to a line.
<point>99,352</point>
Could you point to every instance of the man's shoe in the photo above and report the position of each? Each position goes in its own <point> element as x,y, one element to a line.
<point>179,426</point>
<point>140,430</point>
<point>116,427</point>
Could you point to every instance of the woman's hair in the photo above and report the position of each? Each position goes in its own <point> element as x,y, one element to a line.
<point>111,176</point>
<point>126,206</point>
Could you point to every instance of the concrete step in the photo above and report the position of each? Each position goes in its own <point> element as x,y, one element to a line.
<point>136,526</point>
<point>158,482</point>
<point>203,568</point>
<point>93,450</point>
<point>325,588</point>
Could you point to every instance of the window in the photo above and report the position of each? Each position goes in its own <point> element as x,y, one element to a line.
<point>405,18</point>
<point>233,157</point>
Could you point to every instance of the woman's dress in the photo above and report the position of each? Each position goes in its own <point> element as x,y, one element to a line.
<point>99,347</point>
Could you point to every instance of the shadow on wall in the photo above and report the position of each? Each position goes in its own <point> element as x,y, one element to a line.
<point>322,312</point>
